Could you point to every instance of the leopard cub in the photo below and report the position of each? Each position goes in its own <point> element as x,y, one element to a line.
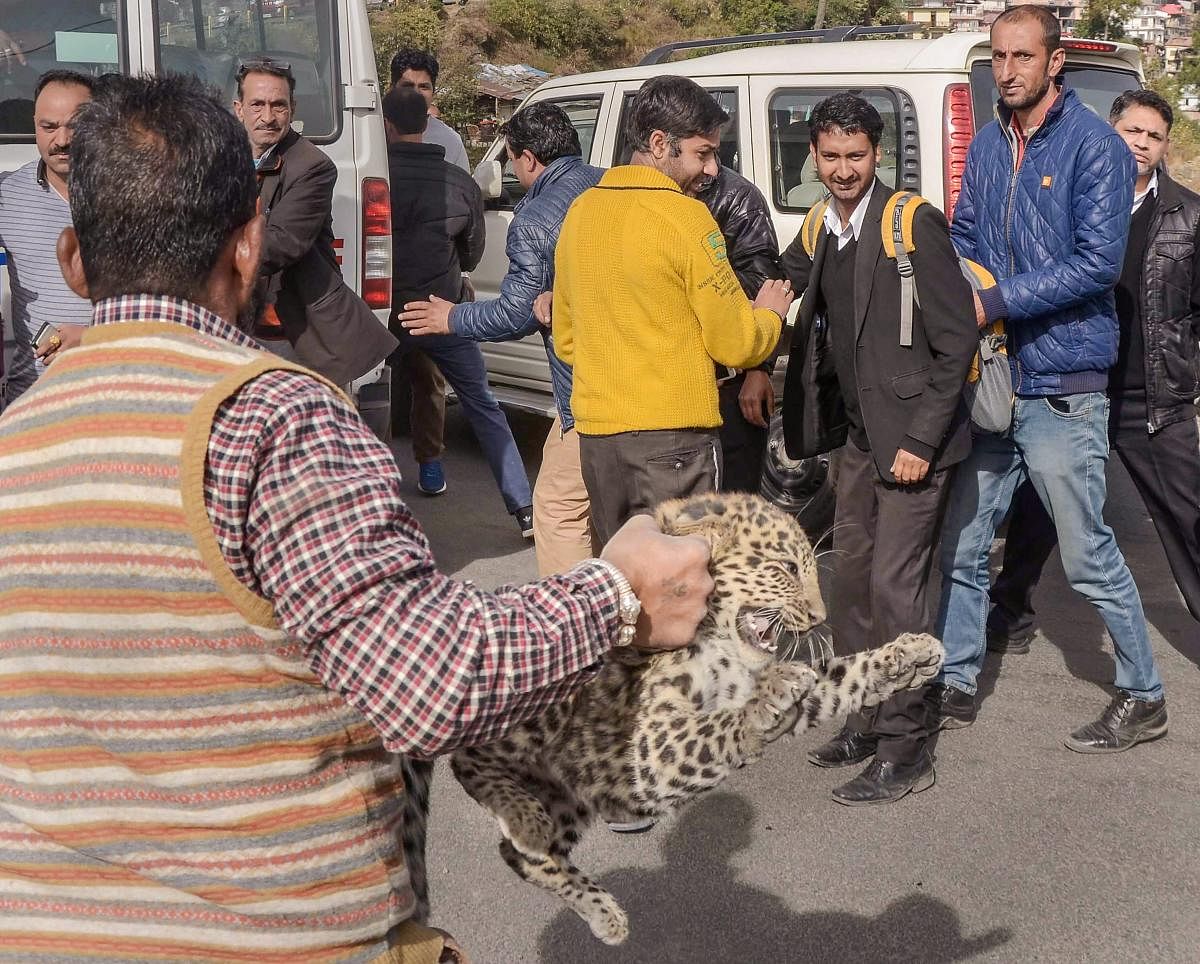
<point>645,736</point>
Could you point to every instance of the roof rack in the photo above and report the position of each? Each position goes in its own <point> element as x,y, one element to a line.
<point>659,55</point>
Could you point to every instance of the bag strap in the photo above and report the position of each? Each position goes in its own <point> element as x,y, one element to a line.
<point>898,244</point>
<point>810,230</point>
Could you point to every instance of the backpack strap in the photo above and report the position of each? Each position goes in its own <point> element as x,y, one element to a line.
<point>898,244</point>
<point>810,230</point>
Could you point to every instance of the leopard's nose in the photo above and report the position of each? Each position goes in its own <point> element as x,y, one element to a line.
<point>816,611</point>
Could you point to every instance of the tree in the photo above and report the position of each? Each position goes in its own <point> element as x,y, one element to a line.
<point>1105,19</point>
<point>407,24</point>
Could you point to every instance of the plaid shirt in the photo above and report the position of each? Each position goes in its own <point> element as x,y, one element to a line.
<point>305,504</point>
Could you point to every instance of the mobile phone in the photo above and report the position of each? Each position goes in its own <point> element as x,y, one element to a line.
<point>42,338</point>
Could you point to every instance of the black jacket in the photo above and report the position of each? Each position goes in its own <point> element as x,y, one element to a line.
<point>910,397</point>
<point>741,213</point>
<point>330,327</point>
<point>437,223</point>
<point>1171,305</point>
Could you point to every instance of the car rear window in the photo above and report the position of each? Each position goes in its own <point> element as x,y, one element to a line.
<point>1097,87</point>
<point>41,35</point>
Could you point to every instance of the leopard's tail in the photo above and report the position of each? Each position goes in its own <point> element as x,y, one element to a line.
<point>418,779</point>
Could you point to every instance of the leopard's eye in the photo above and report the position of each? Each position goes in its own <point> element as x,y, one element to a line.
<point>792,567</point>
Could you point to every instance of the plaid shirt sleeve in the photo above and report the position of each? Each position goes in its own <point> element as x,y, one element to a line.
<point>305,503</point>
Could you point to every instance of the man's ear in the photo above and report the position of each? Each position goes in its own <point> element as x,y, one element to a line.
<point>659,145</point>
<point>70,262</point>
<point>247,254</point>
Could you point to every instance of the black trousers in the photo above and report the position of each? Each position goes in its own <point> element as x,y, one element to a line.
<point>884,537</point>
<point>1165,468</point>
<point>630,473</point>
<point>742,444</point>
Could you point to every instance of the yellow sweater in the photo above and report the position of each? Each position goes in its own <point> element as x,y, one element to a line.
<point>644,302</point>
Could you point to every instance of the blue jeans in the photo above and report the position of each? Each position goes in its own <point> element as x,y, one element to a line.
<point>462,364</point>
<point>1063,452</point>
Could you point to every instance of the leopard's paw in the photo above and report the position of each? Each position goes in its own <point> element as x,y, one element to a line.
<point>908,661</point>
<point>779,693</point>
<point>605,917</point>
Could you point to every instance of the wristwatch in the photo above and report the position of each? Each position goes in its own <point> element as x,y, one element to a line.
<point>629,607</point>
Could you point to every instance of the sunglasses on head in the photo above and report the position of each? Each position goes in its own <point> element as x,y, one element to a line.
<point>271,66</point>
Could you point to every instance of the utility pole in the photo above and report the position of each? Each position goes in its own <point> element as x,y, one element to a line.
<point>820,21</point>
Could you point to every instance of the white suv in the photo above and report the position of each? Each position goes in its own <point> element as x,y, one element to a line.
<point>932,94</point>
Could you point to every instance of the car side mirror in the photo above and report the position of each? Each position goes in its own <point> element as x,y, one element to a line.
<point>489,175</point>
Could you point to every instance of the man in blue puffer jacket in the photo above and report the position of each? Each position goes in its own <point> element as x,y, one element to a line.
<point>546,158</point>
<point>1045,206</point>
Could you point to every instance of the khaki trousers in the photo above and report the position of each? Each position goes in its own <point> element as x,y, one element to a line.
<point>562,530</point>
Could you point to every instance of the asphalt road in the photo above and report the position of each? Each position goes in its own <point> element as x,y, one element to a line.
<point>1022,851</point>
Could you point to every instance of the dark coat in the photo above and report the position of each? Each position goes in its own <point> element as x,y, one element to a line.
<point>1171,305</point>
<point>910,398</point>
<point>330,327</point>
<point>437,223</point>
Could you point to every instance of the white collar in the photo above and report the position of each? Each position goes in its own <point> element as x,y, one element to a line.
<point>1151,188</point>
<point>833,220</point>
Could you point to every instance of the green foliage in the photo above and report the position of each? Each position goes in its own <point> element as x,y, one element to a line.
<point>410,23</point>
<point>558,26</point>
<point>1105,19</point>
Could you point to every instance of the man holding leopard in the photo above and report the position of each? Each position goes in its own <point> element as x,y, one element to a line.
<point>219,624</point>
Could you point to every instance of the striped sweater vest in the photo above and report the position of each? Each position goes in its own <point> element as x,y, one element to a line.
<point>175,782</point>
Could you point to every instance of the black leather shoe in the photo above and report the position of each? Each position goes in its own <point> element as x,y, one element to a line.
<point>1126,722</point>
<point>950,707</point>
<point>845,749</point>
<point>886,782</point>
<point>998,642</point>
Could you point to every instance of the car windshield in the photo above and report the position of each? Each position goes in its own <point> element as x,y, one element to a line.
<point>41,35</point>
<point>1097,87</point>
<point>212,38</point>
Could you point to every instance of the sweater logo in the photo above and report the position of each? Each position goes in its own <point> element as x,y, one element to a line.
<point>714,247</point>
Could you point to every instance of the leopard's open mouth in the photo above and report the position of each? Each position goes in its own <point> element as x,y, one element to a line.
<point>760,628</point>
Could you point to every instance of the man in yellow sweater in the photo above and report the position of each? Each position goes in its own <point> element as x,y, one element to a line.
<point>645,301</point>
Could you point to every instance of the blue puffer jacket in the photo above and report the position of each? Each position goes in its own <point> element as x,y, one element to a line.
<point>537,220</point>
<point>1053,234</point>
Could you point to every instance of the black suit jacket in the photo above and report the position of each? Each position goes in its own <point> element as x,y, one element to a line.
<point>330,327</point>
<point>910,397</point>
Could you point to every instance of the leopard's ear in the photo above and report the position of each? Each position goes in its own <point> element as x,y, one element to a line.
<point>708,516</point>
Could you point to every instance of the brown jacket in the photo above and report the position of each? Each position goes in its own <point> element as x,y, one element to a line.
<point>330,327</point>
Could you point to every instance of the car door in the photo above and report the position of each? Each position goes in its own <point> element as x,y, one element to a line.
<point>518,370</point>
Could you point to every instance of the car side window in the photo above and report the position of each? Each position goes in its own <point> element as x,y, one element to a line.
<point>584,113</point>
<point>795,186</point>
<point>730,152</point>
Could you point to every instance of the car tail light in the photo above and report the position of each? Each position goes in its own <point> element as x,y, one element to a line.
<point>376,243</point>
<point>1098,46</point>
<point>958,128</point>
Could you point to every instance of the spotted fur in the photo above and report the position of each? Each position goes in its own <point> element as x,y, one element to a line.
<point>649,734</point>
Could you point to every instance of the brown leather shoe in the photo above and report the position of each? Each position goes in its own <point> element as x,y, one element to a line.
<point>1125,722</point>
<point>845,749</point>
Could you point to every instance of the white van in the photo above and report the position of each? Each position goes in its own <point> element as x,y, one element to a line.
<point>933,96</point>
<point>326,42</point>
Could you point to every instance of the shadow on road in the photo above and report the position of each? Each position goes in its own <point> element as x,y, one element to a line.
<point>696,910</point>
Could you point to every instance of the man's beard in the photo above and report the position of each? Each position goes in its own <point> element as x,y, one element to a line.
<point>1029,100</point>
<point>250,313</point>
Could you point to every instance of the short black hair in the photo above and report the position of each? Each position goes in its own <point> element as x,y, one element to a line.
<point>677,106</point>
<point>406,110</point>
<point>1141,98</point>
<point>409,58</point>
<point>543,129</point>
<point>72,77</point>
<point>265,65</point>
<point>1051,29</point>
<point>161,177</point>
<point>848,113</point>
